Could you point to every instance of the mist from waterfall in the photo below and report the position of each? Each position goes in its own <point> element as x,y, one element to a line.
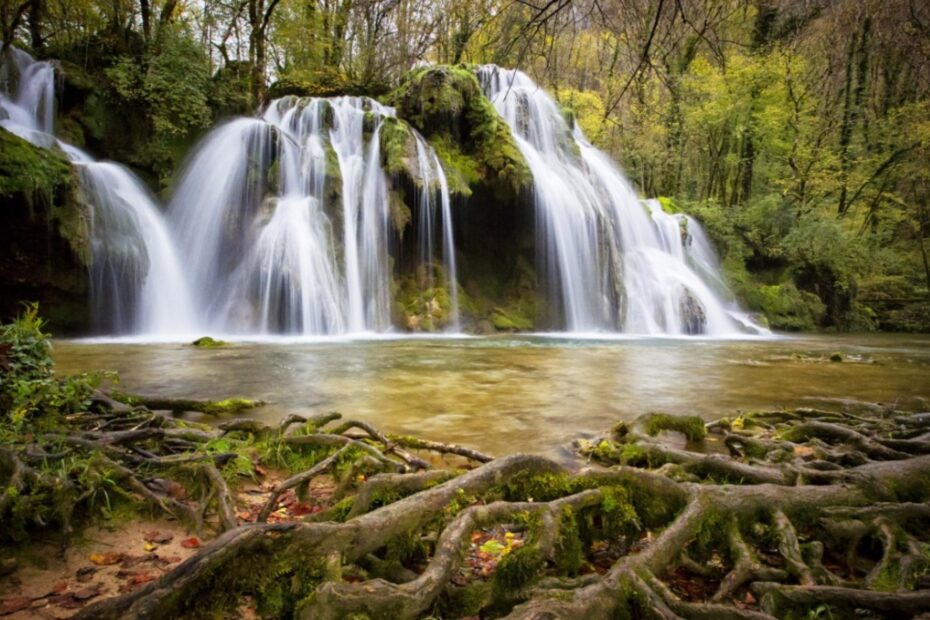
<point>136,282</point>
<point>610,261</point>
<point>292,232</point>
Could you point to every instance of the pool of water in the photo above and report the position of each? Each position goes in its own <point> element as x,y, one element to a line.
<point>522,393</point>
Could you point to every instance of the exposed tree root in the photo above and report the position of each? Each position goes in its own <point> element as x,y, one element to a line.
<point>810,509</point>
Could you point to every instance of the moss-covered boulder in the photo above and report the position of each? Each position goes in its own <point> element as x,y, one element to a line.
<point>446,104</point>
<point>44,246</point>
<point>398,148</point>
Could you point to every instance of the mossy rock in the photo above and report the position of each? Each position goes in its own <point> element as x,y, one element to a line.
<point>446,104</point>
<point>398,148</point>
<point>508,320</point>
<point>29,170</point>
<point>206,342</point>
<point>785,306</point>
<point>44,235</point>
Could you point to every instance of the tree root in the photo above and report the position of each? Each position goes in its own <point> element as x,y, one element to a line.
<point>811,508</point>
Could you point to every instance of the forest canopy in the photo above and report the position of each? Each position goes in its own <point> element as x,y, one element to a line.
<point>796,131</point>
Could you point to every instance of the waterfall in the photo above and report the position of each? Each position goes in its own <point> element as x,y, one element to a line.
<point>610,261</point>
<point>283,224</point>
<point>292,232</point>
<point>136,282</point>
<point>432,175</point>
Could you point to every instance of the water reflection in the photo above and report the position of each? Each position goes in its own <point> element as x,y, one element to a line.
<point>521,394</point>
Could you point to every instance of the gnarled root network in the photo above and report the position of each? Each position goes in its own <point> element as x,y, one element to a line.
<point>793,513</point>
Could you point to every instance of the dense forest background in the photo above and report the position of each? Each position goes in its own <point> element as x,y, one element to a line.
<point>796,130</point>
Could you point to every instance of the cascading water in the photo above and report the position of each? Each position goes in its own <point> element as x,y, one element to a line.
<point>136,283</point>
<point>431,175</point>
<point>610,261</point>
<point>282,224</point>
<point>291,234</point>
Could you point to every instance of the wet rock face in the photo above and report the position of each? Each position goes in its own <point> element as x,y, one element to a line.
<point>693,317</point>
<point>43,236</point>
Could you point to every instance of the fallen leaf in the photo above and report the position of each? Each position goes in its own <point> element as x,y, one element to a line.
<point>492,547</point>
<point>160,538</point>
<point>298,510</point>
<point>143,578</point>
<point>150,546</point>
<point>106,559</point>
<point>86,573</point>
<point>191,543</point>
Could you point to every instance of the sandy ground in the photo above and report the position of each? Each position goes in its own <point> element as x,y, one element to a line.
<point>106,560</point>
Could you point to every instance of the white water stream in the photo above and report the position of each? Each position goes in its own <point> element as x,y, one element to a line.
<point>611,261</point>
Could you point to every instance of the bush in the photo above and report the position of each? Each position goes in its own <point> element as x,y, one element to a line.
<point>30,394</point>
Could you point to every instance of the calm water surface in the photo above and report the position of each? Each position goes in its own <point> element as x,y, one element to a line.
<point>522,393</point>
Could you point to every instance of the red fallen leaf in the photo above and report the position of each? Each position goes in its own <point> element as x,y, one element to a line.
<point>171,559</point>
<point>191,543</point>
<point>157,537</point>
<point>12,604</point>
<point>298,510</point>
<point>138,580</point>
<point>106,559</point>
<point>244,516</point>
<point>60,587</point>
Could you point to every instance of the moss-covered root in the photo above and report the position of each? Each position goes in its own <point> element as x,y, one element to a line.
<point>856,538</point>
<point>180,405</point>
<point>691,426</point>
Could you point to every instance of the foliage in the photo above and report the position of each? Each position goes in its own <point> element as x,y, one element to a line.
<point>176,108</point>
<point>29,391</point>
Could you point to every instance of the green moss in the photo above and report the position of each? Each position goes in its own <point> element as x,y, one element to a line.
<point>669,205</point>
<point>398,148</point>
<point>517,569</point>
<point>506,320</point>
<point>569,550</point>
<point>690,426</point>
<point>540,487</point>
<point>421,307</point>
<point>206,342</point>
<point>784,305</point>
<point>475,145</point>
<point>469,600</point>
<point>400,212</point>
<point>618,514</point>
<point>31,171</point>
